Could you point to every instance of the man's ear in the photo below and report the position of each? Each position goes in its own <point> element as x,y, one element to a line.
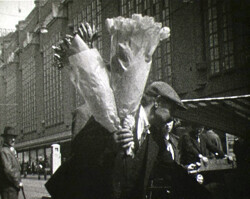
<point>156,105</point>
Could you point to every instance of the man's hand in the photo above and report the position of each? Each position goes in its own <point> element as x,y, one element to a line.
<point>63,51</point>
<point>203,158</point>
<point>191,166</point>
<point>71,45</point>
<point>123,137</point>
<point>87,33</point>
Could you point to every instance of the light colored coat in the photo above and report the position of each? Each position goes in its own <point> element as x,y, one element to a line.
<point>10,170</point>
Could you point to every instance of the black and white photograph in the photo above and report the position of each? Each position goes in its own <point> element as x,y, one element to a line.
<point>124,99</point>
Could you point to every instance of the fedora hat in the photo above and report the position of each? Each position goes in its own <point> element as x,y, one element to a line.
<point>9,131</point>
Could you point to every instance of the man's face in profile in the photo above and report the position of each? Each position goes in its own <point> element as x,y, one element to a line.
<point>162,112</point>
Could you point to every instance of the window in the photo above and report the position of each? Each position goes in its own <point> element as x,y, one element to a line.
<point>2,101</point>
<point>20,157</point>
<point>146,10</point>
<point>11,108</point>
<point>33,156</point>
<point>220,36</point>
<point>53,96</point>
<point>228,58</point>
<point>130,7</point>
<point>156,64</point>
<point>26,156</point>
<point>213,36</point>
<point>41,154</point>
<point>165,47</point>
<point>138,6</point>
<point>48,155</point>
<point>91,14</point>
<point>29,96</point>
<point>161,65</point>
<point>124,7</point>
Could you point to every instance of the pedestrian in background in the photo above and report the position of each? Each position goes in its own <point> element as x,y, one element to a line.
<point>189,145</point>
<point>40,168</point>
<point>10,170</point>
<point>25,169</point>
<point>45,167</point>
<point>214,139</point>
<point>210,144</point>
<point>33,168</point>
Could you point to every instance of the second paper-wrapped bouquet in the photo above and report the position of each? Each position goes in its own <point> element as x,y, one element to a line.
<point>133,42</point>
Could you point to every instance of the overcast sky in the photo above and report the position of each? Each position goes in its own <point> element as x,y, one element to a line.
<point>12,11</point>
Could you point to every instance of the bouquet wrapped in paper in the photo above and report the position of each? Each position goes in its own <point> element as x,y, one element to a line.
<point>90,77</point>
<point>133,42</point>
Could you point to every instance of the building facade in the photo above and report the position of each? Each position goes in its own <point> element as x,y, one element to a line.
<point>206,55</point>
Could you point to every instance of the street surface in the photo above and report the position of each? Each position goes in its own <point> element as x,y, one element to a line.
<point>34,188</point>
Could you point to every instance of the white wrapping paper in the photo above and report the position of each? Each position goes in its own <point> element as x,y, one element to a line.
<point>133,42</point>
<point>93,84</point>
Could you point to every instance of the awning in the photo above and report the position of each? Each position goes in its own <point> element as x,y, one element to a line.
<point>44,141</point>
<point>228,114</point>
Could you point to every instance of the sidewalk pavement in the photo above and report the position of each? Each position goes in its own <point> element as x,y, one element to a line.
<point>34,188</point>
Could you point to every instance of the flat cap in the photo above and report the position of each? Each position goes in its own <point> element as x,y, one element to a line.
<point>164,90</point>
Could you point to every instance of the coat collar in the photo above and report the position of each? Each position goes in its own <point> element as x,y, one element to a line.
<point>6,145</point>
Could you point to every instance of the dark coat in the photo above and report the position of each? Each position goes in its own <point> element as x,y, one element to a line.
<point>10,170</point>
<point>207,146</point>
<point>96,170</point>
<point>90,171</point>
<point>189,149</point>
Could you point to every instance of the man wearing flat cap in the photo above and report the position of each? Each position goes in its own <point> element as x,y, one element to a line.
<point>98,169</point>
<point>10,176</point>
<point>152,160</point>
<point>157,105</point>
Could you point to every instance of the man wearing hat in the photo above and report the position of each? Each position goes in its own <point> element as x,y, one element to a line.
<point>10,176</point>
<point>98,167</point>
<point>157,106</point>
<point>98,170</point>
<point>152,159</point>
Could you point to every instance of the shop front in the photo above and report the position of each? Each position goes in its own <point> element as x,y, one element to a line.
<point>38,151</point>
